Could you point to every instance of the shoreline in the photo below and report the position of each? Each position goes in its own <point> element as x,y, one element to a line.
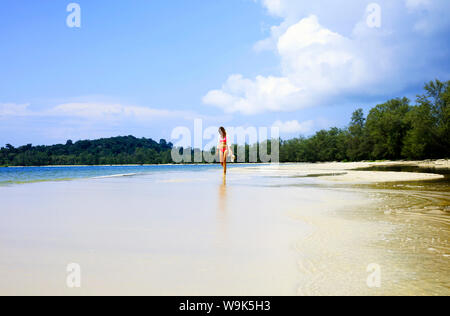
<point>330,172</point>
<point>131,165</point>
<point>426,164</point>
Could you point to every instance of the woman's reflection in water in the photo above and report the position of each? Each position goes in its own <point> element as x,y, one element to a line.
<point>222,212</point>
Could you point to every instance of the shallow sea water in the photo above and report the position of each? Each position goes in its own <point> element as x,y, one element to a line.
<point>187,231</point>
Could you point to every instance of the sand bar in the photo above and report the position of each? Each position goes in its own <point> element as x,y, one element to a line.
<point>344,172</point>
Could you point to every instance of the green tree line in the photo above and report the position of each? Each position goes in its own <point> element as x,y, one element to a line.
<point>393,130</point>
<point>107,151</point>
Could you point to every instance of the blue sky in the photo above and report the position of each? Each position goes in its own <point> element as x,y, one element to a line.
<point>145,67</point>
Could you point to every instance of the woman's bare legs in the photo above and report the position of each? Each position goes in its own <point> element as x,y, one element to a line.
<point>223,160</point>
<point>225,155</point>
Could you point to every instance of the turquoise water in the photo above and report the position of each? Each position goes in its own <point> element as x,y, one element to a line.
<point>37,174</point>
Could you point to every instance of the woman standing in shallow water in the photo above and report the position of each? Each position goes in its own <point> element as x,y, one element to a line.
<point>224,149</point>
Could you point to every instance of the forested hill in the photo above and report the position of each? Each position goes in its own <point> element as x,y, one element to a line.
<point>396,129</point>
<point>108,151</point>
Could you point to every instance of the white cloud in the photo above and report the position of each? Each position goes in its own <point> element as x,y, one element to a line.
<point>13,109</point>
<point>316,63</point>
<point>249,96</point>
<point>110,111</point>
<point>275,7</point>
<point>432,15</point>
<point>414,4</point>
<point>84,119</point>
<point>94,111</point>
<point>294,127</point>
<point>320,65</point>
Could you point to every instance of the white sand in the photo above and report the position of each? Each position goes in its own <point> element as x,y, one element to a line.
<point>437,164</point>
<point>344,172</point>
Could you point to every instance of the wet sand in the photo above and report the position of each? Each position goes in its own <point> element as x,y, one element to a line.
<point>306,229</point>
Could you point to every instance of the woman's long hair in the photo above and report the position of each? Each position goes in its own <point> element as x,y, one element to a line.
<point>223,132</point>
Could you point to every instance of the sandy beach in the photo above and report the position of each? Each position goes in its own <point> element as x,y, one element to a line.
<point>294,229</point>
<point>349,173</point>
